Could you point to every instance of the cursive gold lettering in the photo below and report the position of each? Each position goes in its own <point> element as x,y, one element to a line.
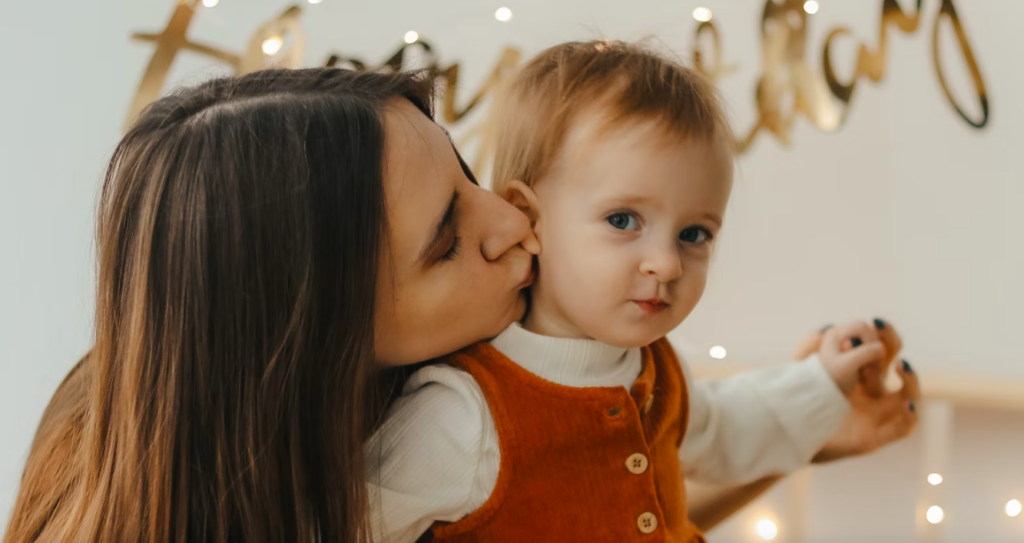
<point>717,69</point>
<point>871,64</point>
<point>949,12</point>
<point>788,86</point>
<point>173,39</point>
<point>284,27</point>
<point>786,89</point>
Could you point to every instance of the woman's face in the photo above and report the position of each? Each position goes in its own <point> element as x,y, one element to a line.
<point>457,256</point>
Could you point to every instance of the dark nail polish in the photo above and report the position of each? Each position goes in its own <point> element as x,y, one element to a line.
<point>880,324</point>
<point>907,368</point>
<point>825,328</point>
<point>856,342</point>
<point>910,404</point>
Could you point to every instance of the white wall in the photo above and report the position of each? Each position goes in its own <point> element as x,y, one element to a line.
<point>67,76</point>
<point>906,212</point>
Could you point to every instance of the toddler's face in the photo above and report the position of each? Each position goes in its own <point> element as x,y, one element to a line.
<point>626,218</point>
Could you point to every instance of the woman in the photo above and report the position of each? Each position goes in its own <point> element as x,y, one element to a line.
<point>268,246</point>
<point>232,383</point>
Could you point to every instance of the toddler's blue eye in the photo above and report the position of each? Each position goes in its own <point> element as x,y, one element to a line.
<point>694,235</point>
<point>622,221</point>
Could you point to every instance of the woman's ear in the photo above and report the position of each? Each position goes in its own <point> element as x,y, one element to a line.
<point>525,200</point>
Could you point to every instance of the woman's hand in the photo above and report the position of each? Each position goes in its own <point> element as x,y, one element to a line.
<point>877,417</point>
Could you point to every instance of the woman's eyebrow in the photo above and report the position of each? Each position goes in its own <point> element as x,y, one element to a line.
<point>462,162</point>
<point>444,222</point>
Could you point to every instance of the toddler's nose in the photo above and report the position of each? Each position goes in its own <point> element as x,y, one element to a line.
<point>664,265</point>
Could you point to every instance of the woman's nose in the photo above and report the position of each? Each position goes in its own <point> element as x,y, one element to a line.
<point>505,228</point>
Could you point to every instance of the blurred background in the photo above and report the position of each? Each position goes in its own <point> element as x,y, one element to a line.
<point>885,181</point>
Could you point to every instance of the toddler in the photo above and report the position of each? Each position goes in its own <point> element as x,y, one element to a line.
<point>570,425</point>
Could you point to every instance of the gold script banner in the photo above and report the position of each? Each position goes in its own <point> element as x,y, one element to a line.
<point>818,95</point>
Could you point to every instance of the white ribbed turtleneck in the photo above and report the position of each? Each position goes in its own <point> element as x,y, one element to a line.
<point>567,361</point>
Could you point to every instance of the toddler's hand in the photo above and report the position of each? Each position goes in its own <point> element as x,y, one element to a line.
<point>874,420</point>
<point>852,353</point>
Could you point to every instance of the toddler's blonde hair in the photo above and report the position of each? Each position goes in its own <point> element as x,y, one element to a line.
<point>532,115</point>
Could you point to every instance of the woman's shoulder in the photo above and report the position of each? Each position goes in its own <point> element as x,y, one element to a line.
<point>424,461</point>
<point>53,467</point>
<point>439,378</point>
<point>440,406</point>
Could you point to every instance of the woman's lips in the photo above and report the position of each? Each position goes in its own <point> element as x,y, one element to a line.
<point>530,276</point>
<point>652,306</point>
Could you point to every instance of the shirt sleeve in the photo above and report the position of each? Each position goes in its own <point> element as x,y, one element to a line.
<point>423,463</point>
<point>759,423</point>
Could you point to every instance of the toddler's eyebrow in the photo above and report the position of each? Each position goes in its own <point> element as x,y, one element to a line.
<point>629,200</point>
<point>713,218</point>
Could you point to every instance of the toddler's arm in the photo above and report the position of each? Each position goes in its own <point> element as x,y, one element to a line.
<point>759,423</point>
<point>773,421</point>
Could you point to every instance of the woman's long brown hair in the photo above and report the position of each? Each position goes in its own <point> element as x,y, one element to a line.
<point>231,385</point>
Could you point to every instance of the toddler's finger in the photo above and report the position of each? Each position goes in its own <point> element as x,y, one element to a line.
<point>893,343</point>
<point>862,355</point>
<point>849,335</point>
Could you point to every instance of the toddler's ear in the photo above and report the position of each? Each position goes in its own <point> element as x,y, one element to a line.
<point>525,200</point>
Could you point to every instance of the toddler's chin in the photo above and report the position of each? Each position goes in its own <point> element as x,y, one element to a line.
<point>629,337</point>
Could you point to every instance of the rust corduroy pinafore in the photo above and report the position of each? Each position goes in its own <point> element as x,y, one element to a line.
<point>581,464</point>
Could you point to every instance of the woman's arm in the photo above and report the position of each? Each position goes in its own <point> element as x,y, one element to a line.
<point>709,505</point>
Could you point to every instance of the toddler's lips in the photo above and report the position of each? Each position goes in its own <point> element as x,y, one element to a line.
<point>652,306</point>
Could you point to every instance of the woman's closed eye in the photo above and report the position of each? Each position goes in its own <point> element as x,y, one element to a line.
<point>623,221</point>
<point>446,242</point>
<point>695,235</point>
<point>453,250</point>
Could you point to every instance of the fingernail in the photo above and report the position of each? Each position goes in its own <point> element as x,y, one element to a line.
<point>911,405</point>
<point>856,342</point>
<point>825,328</point>
<point>907,368</point>
<point>880,324</point>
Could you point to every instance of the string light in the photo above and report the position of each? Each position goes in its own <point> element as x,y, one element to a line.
<point>718,352</point>
<point>411,37</point>
<point>811,7</point>
<point>1013,508</point>
<point>934,479</point>
<point>272,45</point>
<point>503,14</point>
<point>934,514</point>
<point>210,3</point>
<point>702,14</point>
<point>766,529</point>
